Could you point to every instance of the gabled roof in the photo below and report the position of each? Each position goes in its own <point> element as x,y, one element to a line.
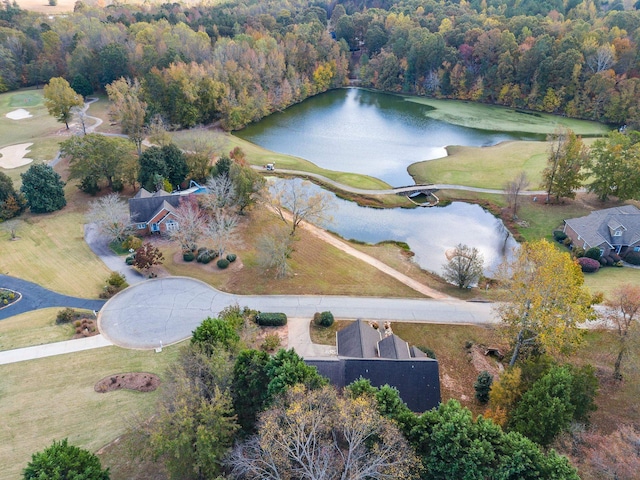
<point>393,346</point>
<point>598,227</point>
<point>144,206</point>
<point>358,340</point>
<point>143,193</point>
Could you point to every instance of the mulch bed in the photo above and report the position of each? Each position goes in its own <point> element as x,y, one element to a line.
<point>8,297</point>
<point>141,382</point>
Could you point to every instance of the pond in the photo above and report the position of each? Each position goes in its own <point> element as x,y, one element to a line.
<point>359,131</point>
<point>429,232</point>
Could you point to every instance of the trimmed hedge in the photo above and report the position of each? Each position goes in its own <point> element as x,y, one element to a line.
<point>559,235</point>
<point>593,252</point>
<point>632,257</point>
<point>271,319</point>
<point>589,265</point>
<point>222,263</point>
<point>232,257</point>
<point>324,319</point>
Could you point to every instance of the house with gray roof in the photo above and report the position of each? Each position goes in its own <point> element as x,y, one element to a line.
<point>153,212</point>
<point>612,230</point>
<point>384,359</point>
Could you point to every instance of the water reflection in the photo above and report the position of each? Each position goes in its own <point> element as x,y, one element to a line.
<point>359,131</point>
<point>430,232</point>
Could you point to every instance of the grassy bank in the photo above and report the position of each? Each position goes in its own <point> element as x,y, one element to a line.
<point>504,119</point>
<point>53,398</point>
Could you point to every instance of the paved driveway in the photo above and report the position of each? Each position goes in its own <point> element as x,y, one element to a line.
<point>35,297</point>
<point>166,310</point>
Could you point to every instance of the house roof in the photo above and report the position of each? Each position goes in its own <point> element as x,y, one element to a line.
<point>144,206</point>
<point>358,340</point>
<point>416,380</point>
<point>393,346</point>
<point>598,227</point>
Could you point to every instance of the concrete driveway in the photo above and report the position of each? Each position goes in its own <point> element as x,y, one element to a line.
<point>163,311</point>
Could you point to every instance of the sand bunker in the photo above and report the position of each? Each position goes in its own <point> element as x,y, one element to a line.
<point>13,156</point>
<point>19,114</point>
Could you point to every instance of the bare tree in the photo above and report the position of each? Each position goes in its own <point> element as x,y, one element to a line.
<point>221,194</point>
<point>318,435</point>
<point>602,59</point>
<point>80,114</point>
<point>111,215</point>
<point>622,312</point>
<point>301,201</point>
<point>464,269</point>
<point>274,251</point>
<point>191,224</point>
<point>513,189</point>
<point>10,226</point>
<point>222,230</point>
<point>158,131</point>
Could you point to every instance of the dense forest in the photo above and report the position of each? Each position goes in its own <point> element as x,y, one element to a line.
<point>238,61</point>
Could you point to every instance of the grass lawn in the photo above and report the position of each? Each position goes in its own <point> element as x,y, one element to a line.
<point>318,268</point>
<point>33,328</point>
<point>53,398</point>
<point>504,119</point>
<point>608,280</point>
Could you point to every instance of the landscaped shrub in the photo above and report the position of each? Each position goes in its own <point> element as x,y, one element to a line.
<point>232,257</point>
<point>323,319</point>
<point>205,256</point>
<point>593,252</point>
<point>567,241</point>
<point>188,256</point>
<point>66,315</point>
<point>222,263</point>
<point>132,243</point>
<point>578,252</point>
<point>632,257</point>
<point>559,235</point>
<point>588,265</point>
<point>271,319</point>
<point>616,258</point>
<point>271,342</point>
<point>117,280</point>
<point>482,386</point>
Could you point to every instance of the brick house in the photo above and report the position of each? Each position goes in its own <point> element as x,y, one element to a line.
<point>614,230</point>
<point>153,212</point>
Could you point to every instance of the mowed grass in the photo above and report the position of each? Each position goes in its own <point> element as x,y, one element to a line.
<point>33,328</point>
<point>485,167</point>
<point>318,268</point>
<point>608,280</point>
<point>504,119</point>
<point>51,252</point>
<point>53,398</point>
<point>31,129</point>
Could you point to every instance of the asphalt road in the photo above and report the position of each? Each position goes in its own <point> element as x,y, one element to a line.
<point>163,311</point>
<point>35,297</point>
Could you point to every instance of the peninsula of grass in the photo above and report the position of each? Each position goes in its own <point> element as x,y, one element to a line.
<point>505,119</point>
<point>53,398</point>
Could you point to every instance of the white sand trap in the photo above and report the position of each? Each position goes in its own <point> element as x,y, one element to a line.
<point>19,114</point>
<point>13,156</point>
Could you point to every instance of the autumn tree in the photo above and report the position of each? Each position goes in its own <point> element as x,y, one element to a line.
<point>12,203</point>
<point>615,167</point>
<point>111,215</point>
<point>147,256</point>
<point>565,173</point>
<point>62,460</point>
<point>622,312</point>
<point>296,201</point>
<point>43,188</point>
<point>191,224</point>
<point>275,248</point>
<point>248,186</point>
<point>513,190</point>
<point>128,109</point>
<point>60,98</point>
<point>545,299</point>
<point>464,269</point>
<point>318,434</point>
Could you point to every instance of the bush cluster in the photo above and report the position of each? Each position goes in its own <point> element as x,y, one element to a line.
<point>132,243</point>
<point>271,319</point>
<point>271,342</point>
<point>66,315</point>
<point>588,265</point>
<point>559,236</point>
<point>323,319</point>
<point>594,253</point>
<point>205,255</point>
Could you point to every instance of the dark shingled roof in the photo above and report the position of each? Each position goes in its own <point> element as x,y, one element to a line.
<point>142,208</point>
<point>358,340</point>
<point>598,227</point>
<point>417,380</point>
<point>393,347</point>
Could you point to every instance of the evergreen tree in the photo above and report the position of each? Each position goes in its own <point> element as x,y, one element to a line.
<point>43,189</point>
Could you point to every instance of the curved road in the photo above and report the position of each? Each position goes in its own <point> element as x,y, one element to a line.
<point>35,297</point>
<point>163,311</point>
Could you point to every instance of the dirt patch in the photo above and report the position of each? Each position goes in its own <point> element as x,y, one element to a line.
<point>141,382</point>
<point>482,362</point>
<point>13,156</point>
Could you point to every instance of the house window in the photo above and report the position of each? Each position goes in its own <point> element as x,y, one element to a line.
<point>601,251</point>
<point>636,249</point>
<point>141,226</point>
<point>617,233</point>
<point>172,225</point>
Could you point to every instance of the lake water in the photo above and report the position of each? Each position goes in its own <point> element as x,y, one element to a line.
<point>359,131</point>
<point>430,232</point>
